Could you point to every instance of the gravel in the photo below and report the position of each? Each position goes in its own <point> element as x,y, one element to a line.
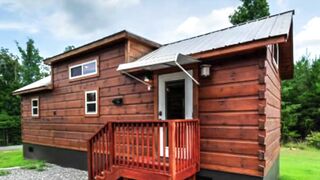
<point>52,172</point>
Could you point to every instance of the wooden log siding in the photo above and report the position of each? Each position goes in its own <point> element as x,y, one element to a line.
<point>272,111</point>
<point>62,122</point>
<point>229,106</point>
<point>238,108</point>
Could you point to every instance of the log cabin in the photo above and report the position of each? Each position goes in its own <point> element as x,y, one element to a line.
<point>206,107</point>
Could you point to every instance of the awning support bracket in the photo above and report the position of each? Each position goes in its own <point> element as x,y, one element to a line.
<point>137,79</point>
<point>185,71</point>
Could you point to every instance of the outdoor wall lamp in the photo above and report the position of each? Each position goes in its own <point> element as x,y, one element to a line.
<point>205,70</point>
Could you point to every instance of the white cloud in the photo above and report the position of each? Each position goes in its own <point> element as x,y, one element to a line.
<point>18,27</point>
<point>217,19</point>
<point>308,39</point>
<point>65,19</point>
<point>119,3</point>
<point>281,2</point>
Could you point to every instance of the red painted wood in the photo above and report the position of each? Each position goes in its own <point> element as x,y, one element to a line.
<point>123,145</point>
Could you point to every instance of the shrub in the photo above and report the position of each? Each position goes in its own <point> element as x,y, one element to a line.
<point>36,165</point>
<point>3,172</point>
<point>296,145</point>
<point>313,139</point>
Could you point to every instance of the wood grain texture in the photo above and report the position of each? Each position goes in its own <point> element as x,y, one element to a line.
<point>62,122</point>
<point>272,111</point>
<point>229,104</point>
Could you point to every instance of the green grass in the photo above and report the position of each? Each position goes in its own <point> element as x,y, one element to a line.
<point>15,158</point>
<point>299,163</point>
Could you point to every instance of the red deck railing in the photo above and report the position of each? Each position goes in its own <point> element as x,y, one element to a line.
<point>168,147</point>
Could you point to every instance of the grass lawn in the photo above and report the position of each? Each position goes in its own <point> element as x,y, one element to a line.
<point>14,158</point>
<point>299,164</point>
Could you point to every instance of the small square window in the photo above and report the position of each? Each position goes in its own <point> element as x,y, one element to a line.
<point>91,104</point>
<point>35,107</point>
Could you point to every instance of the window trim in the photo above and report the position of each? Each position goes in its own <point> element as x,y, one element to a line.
<point>82,64</point>
<point>86,103</point>
<point>35,107</point>
<point>275,57</point>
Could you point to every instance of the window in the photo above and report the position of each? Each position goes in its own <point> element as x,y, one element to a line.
<point>275,54</point>
<point>84,69</point>
<point>91,105</point>
<point>35,107</point>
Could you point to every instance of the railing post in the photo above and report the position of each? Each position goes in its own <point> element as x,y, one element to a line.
<point>198,145</point>
<point>172,149</point>
<point>89,158</point>
<point>111,135</point>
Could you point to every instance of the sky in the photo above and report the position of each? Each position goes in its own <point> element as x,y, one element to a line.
<point>55,24</point>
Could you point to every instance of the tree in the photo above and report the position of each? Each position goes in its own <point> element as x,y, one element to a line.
<point>32,67</point>
<point>250,10</point>
<point>9,81</point>
<point>301,100</point>
<point>69,48</point>
<point>9,105</point>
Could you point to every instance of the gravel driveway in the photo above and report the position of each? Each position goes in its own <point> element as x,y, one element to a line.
<point>52,172</point>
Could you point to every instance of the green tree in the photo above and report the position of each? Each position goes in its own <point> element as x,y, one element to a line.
<point>33,68</point>
<point>9,104</point>
<point>250,10</point>
<point>9,81</point>
<point>301,100</point>
<point>69,48</point>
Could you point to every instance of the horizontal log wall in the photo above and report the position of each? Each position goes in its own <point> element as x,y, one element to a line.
<point>230,106</point>
<point>272,111</point>
<point>62,122</point>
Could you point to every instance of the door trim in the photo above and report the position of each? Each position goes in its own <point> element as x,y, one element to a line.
<point>188,93</point>
<point>188,88</point>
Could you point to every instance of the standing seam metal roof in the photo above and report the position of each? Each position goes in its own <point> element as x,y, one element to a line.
<point>263,28</point>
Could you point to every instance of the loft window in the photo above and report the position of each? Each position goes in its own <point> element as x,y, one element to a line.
<point>275,54</point>
<point>91,105</point>
<point>35,107</point>
<point>82,70</point>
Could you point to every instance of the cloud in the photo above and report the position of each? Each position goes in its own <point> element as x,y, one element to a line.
<point>68,19</point>
<point>217,19</point>
<point>308,39</point>
<point>18,27</point>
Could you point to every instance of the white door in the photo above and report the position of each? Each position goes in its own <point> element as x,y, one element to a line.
<point>175,100</point>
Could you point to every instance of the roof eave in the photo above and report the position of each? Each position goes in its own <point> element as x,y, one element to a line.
<point>239,47</point>
<point>122,35</point>
<point>37,89</point>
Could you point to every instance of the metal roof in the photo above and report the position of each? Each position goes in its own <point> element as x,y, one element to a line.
<point>42,83</point>
<point>272,26</point>
<point>160,62</point>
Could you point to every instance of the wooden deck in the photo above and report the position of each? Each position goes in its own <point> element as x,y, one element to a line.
<point>145,150</point>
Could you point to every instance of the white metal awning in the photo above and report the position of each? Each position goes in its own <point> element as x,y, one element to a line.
<point>174,60</point>
<point>156,63</point>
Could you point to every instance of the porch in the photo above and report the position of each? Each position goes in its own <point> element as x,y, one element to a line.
<point>164,149</point>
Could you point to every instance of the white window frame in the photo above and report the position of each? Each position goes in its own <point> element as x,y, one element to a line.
<point>275,57</point>
<point>83,64</point>
<point>35,107</point>
<point>91,102</point>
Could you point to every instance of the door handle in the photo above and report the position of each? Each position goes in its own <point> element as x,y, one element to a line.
<point>160,114</point>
